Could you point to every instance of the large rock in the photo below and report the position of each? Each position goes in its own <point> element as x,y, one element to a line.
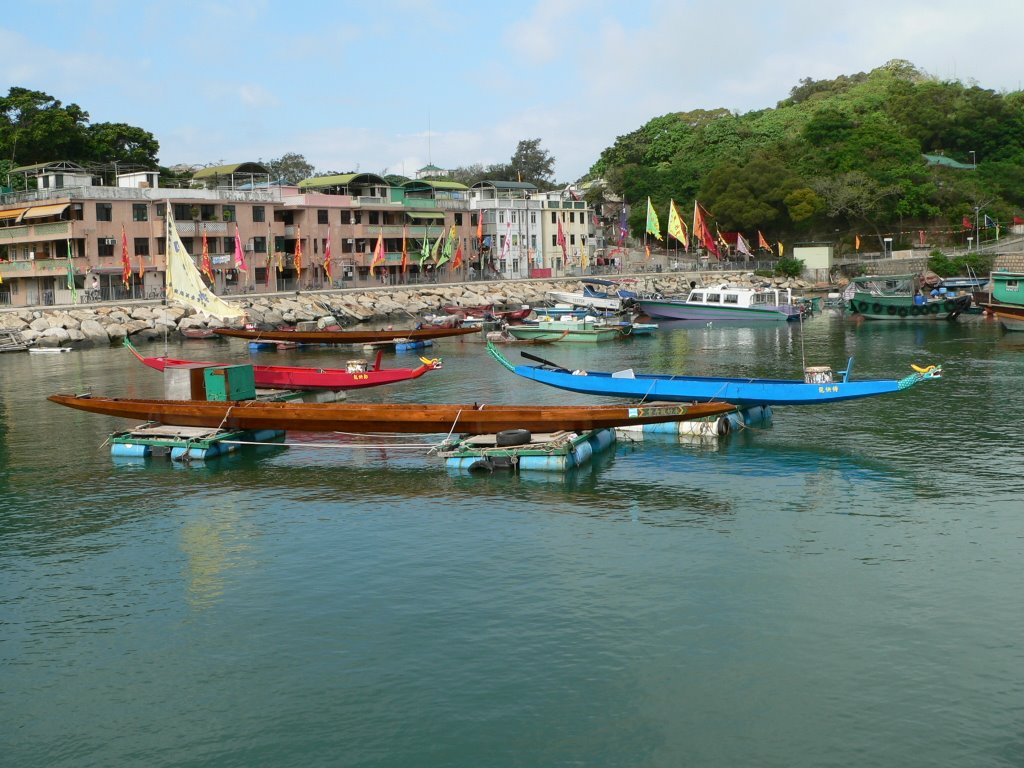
<point>53,337</point>
<point>94,332</point>
<point>40,324</point>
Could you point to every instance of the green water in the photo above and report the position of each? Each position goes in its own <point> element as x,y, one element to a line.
<point>841,588</point>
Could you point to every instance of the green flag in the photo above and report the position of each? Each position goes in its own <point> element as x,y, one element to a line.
<point>653,226</point>
<point>71,276</point>
<point>425,249</point>
<point>446,254</point>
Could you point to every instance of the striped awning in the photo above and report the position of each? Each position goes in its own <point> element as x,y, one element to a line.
<point>45,210</point>
<point>12,215</point>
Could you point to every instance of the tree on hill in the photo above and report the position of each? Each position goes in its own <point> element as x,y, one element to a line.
<point>37,128</point>
<point>290,167</point>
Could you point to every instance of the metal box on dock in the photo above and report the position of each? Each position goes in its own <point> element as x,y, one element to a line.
<point>230,382</point>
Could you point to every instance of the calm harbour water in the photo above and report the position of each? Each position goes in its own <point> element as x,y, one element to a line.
<point>841,588</point>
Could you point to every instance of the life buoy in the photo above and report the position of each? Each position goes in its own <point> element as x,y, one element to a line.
<point>891,309</point>
<point>511,437</point>
<point>863,306</point>
<point>934,309</point>
<point>902,312</point>
<point>915,310</point>
<point>876,308</point>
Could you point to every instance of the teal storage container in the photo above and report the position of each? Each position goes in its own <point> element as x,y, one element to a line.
<point>230,382</point>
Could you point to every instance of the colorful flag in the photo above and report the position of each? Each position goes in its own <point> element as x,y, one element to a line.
<point>988,221</point>
<point>1017,220</point>
<point>378,251</point>
<point>856,242</point>
<point>126,267</point>
<point>480,227</point>
<point>240,264</point>
<point>701,231</point>
<point>647,252</point>
<point>457,261</point>
<point>584,260</point>
<point>966,223</point>
<point>653,226</point>
<point>405,252</point>
<point>327,258</point>
<point>298,254</point>
<point>721,240</point>
<point>742,246</point>
<point>676,227</point>
<point>71,276</point>
<point>560,239</point>
<point>782,249</point>
<point>623,225</point>
<point>762,243</point>
<point>435,252</point>
<point>508,239</point>
<point>206,265</point>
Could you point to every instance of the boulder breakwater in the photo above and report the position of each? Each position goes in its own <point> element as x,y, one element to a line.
<point>402,306</point>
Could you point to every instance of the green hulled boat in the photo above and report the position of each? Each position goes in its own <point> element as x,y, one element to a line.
<point>902,297</point>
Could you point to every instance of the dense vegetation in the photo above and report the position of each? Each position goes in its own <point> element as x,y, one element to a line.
<point>837,158</point>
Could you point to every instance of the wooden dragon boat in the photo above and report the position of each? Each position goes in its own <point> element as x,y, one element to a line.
<point>356,376</point>
<point>470,418</point>
<point>343,337</point>
<point>817,387</point>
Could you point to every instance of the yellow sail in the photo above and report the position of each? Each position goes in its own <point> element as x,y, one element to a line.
<point>185,283</point>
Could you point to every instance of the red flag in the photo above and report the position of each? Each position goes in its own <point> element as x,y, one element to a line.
<point>298,254</point>
<point>457,261</point>
<point>762,243</point>
<point>126,267</point>
<point>405,249</point>
<point>966,223</point>
<point>327,258</point>
<point>239,256</point>
<point>560,239</point>
<point>378,251</point>
<point>1018,220</point>
<point>702,231</point>
<point>480,227</point>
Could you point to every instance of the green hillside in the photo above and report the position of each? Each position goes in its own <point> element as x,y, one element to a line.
<point>837,157</point>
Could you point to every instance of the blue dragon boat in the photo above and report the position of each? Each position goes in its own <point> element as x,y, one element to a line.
<point>820,384</point>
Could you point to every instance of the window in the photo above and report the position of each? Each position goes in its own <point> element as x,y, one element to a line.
<point>458,219</point>
<point>207,212</point>
<point>142,246</point>
<point>212,244</point>
<point>76,212</point>
<point>731,298</point>
<point>696,297</point>
<point>161,210</point>
<point>105,246</point>
<point>554,217</point>
<point>140,212</point>
<point>572,239</point>
<point>182,212</point>
<point>228,213</point>
<point>259,213</point>
<point>321,216</point>
<point>161,246</point>
<point>472,218</point>
<point>1012,286</point>
<point>259,244</point>
<point>187,242</point>
<point>533,217</point>
<point>501,217</point>
<point>533,242</point>
<point>374,217</point>
<point>512,216</point>
<point>104,212</point>
<point>713,298</point>
<point>572,217</point>
<point>554,240</point>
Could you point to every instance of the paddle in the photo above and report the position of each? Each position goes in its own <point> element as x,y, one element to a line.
<point>528,356</point>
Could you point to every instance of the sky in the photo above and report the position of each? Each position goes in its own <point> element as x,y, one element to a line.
<point>388,86</point>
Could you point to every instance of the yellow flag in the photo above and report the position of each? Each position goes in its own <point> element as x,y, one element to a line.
<point>676,226</point>
<point>653,226</point>
<point>856,242</point>
<point>782,250</point>
<point>584,261</point>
